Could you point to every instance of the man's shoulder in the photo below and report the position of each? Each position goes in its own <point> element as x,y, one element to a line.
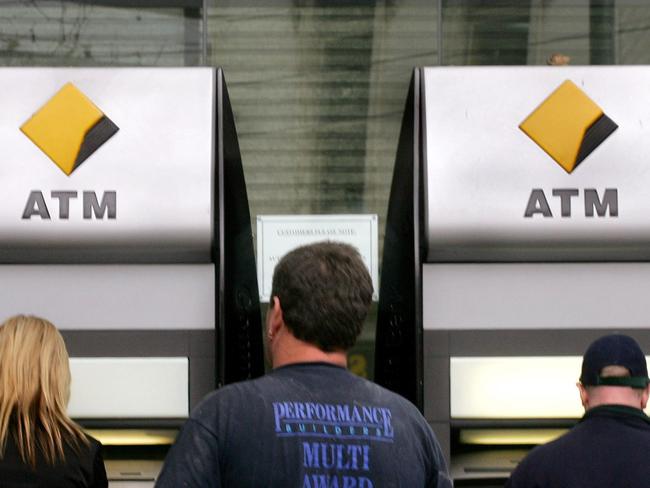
<point>390,396</point>
<point>355,387</point>
<point>574,442</point>
<point>234,392</point>
<point>333,381</point>
<point>541,462</point>
<point>592,448</point>
<point>560,446</point>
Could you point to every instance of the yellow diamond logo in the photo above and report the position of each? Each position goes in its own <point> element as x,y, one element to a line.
<point>568,125</point>
<point>69,128</point>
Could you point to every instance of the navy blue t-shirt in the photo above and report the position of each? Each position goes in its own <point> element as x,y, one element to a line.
<point>609,448</point>
<point>308,425</point>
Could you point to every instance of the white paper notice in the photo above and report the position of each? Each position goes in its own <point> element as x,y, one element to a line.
<point>279,234</point>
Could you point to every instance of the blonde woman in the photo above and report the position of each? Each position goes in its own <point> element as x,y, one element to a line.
<point>39,445</point>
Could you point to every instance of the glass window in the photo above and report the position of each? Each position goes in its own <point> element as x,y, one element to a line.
<point>318,90</point>
<point>537,32</point>
<point>65,33</point>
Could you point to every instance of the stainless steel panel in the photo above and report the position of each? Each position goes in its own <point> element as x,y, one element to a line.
<point>131,484</point>
<point>159,164</point>
<point>535,296</point>
<point>481,168</point>
<point>133,297</point>
<point>485,465</point>
<point>132,473</point>
<point>129,388</point>
<point>514,387</point>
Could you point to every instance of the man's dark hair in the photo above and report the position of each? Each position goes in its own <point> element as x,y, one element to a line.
<point>325,291</point>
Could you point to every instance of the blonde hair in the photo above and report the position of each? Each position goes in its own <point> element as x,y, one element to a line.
<point>34,390</point>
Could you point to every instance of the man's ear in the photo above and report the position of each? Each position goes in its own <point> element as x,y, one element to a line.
<point>275,319</point>
<point>644,397</point>
<point>584,395</point>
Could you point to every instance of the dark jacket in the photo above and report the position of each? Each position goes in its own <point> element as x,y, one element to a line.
<point>609,448</point>
<point>83,469</point>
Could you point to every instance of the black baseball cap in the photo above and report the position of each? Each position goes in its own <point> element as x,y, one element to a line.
<point>614,350</point>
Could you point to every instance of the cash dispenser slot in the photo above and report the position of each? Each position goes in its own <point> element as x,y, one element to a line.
<point>134,457</point>
<point>134,407</point>
<point>492,429</point>
<point>484,453</point>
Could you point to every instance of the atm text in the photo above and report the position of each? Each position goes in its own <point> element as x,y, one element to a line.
<point>593,203</point>
<point>91,205</point>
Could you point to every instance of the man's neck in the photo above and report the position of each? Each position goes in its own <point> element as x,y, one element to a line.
<point>614,395</point>
<point>289,350</point>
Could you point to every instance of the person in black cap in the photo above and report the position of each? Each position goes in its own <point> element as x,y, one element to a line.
<point>610,446</point>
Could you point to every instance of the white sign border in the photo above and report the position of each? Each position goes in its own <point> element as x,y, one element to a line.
<point>264,239</point>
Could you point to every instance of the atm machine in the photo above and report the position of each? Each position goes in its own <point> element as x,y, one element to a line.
<point>125,222</point>
<point>517,233</point>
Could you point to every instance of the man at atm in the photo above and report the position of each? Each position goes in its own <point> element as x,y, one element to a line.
<point>308,423</point>
<point>610,445</point>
